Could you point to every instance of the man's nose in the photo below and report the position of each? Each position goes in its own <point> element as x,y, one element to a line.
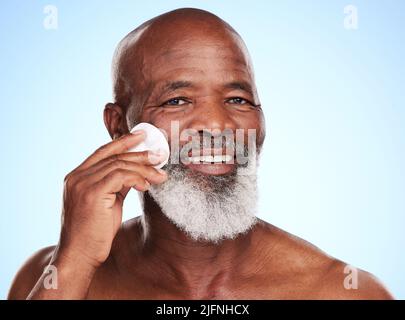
<point>212,115</point>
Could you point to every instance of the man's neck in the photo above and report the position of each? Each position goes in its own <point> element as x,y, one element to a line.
<point>185,260</point>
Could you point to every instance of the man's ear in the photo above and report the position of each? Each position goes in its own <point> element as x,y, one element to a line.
<point>114,120</point>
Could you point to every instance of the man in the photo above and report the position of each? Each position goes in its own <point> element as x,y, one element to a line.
<point>198,237</point>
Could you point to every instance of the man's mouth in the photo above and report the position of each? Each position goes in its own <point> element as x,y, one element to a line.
<point>211,159</point>
<point>211,163</point>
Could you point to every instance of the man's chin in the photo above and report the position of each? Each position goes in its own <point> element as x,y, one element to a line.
<point>207,207</point>
<point>206,180</point>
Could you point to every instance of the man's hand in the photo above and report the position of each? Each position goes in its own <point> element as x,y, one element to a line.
<point>92,212</point>
<point>94,194</point>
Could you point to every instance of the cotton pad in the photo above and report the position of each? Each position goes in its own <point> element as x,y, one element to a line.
<point>155,140</point>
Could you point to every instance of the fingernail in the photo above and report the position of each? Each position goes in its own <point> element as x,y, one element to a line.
<point>154,158</point>
<point>161,171</point>
<point>138,132</point>
<point>158,151</point>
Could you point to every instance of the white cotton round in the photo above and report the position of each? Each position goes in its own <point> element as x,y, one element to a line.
<point>155,140</point>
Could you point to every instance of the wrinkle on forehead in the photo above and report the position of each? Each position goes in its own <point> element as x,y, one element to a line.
<point>204,51</point>
<point>171,37</point>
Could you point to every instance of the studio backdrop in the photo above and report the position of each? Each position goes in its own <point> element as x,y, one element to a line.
<point>331,79</point>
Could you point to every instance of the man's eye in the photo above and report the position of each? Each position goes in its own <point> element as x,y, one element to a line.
<point>176,102</point>
<point>238,100</point>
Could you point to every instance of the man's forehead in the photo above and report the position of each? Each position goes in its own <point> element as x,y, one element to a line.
<point>195,62</point>
<point>178,81</point>
<point>201,51</point>
<point>182,49</point>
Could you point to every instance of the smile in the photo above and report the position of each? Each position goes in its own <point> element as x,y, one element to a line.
<point>210,159</point>
<point>210,164</point>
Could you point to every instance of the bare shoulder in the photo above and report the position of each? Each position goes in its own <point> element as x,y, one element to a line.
<point>28,275</point>
<point>30,272</point>
<point>312,273</point>
<point>344,281</point>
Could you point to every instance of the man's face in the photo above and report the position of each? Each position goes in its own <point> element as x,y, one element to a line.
<point>203,83</point>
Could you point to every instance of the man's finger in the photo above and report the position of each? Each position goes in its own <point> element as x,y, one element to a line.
<point>120,179</point>
<point>151,174</point>
<point>123,193</point>
<point>119,145</point>
<point>147,158</point>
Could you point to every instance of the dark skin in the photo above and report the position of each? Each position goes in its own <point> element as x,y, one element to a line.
<point>98,257</point>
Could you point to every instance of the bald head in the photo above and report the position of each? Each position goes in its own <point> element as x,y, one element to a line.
<point>171,38</point>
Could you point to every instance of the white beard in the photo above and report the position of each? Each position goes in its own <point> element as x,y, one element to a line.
<point>209,208</point>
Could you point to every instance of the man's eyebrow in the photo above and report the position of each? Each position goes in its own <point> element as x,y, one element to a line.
<point>239,85</point>
<point>174,85</point>
<point>171,86</point>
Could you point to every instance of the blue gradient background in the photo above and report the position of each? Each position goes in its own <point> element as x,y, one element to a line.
<point>333,163</point>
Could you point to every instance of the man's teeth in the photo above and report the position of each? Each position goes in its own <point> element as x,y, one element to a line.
<point>211,159</point>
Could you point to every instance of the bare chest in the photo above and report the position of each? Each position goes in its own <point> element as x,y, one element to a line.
<point>248,289</point>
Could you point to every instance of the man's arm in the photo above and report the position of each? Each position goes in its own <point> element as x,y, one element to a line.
<point>345,282</point>
<point>71,279</point>
<point>93,199</point>
<point>29,273</point>
<point>374,288</point>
